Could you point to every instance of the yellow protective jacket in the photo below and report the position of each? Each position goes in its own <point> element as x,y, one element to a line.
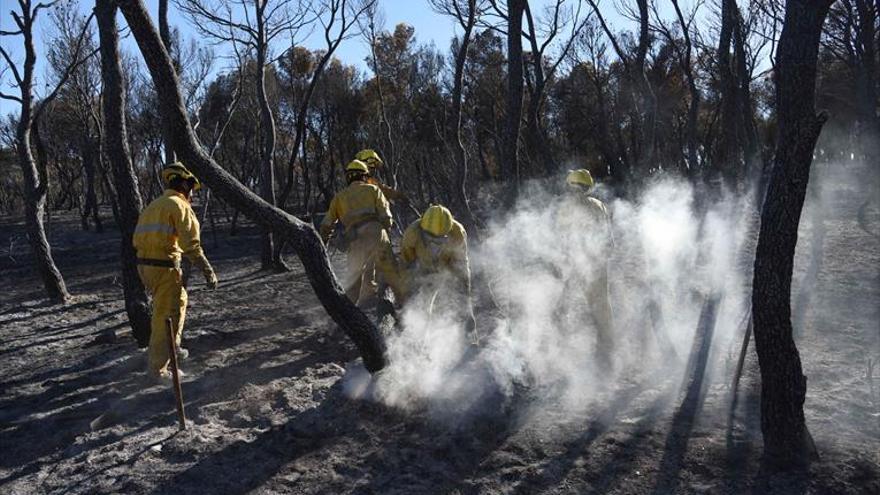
<point>584,221</point>
<point>358,203</point>
<point>167,228</point>
<point>419,254</point>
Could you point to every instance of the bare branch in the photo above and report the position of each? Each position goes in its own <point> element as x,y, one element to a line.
<point>10,97</point>
<point>12,66</point>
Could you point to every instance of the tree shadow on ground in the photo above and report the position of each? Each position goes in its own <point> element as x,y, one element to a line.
<point>118,392</point>
<point>263,458</point>
<point>557,469</point>
<point>67,329</point>
<point>685,416</point>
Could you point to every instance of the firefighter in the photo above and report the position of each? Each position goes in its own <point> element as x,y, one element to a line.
<point>434,257</point>
<point>585,230</point>
<point>167,229</point>
<point>364,213</point>
<point>374,163</point>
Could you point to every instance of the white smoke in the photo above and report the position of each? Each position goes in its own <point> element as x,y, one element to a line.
<point>532,272</point>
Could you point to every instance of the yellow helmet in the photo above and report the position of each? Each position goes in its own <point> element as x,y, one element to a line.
<point>357,166</point>
<point>370,157</point>
<point>436,221</point>
<point>581,178</point>
<point>176,170</point>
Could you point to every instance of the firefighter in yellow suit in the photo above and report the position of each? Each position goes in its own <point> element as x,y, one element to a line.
<point>434,249</point>
<point>585,229</point>
<point>166,229</point>
<point>364,213</point>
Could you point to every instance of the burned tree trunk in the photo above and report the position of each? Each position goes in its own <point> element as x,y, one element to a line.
<point>783,385</point>
<point>693,161</point>
<point>727,163</point>
<point>270,258</point>
<point>116,146</point>
<point>34,174</point>
<point>302,236</point>
<point>36,187</point>
<point>461,166</point>
<point>89,155</point>
<point>510,169</point>
<point>165,34</point>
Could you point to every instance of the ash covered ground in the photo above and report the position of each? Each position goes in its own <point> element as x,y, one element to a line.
<point>271,411</point>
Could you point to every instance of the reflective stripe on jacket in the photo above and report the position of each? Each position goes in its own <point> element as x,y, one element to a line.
<point>167,228</point>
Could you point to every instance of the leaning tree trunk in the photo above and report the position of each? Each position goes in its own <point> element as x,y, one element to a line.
<point>783,385</point>
<point>36,187</point>
<point>116,146</point>
<point>302,236</point>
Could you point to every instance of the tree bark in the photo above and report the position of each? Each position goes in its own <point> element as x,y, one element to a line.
<point>116,146</point>
<point>783,385</point>
<point>302,236</point>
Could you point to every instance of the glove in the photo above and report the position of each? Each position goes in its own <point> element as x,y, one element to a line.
<point>210,278</point>
<point>208,272</point>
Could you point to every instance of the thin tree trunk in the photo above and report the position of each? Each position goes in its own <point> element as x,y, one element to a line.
<point>510,166</point>
<point>783,385</point>
<point>90,199</point>
<point>35,177</point>
<point>461,166</point>
<point>728,161</point>
<point>268,256</point>
<point>36,187</point>
<point>746,121</point>
<point>535,132</point>
<point>165,33</point>
<point>302,236</point>
<point>116,146</point>
<point>694,105</point>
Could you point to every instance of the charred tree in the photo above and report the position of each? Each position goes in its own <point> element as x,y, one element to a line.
<point>510,166</point>
<point>267,139</point>
<point>302,236</point>
<point>36,178</point>
<point>465,13</point>
<point>693,161</point>
<point>116,147</point>
<point>165,34</point>
<point>783,385</point>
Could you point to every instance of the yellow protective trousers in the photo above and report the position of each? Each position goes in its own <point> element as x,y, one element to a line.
<point>169,301</point>
<point>369,250</point>
<point>600,307</point>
